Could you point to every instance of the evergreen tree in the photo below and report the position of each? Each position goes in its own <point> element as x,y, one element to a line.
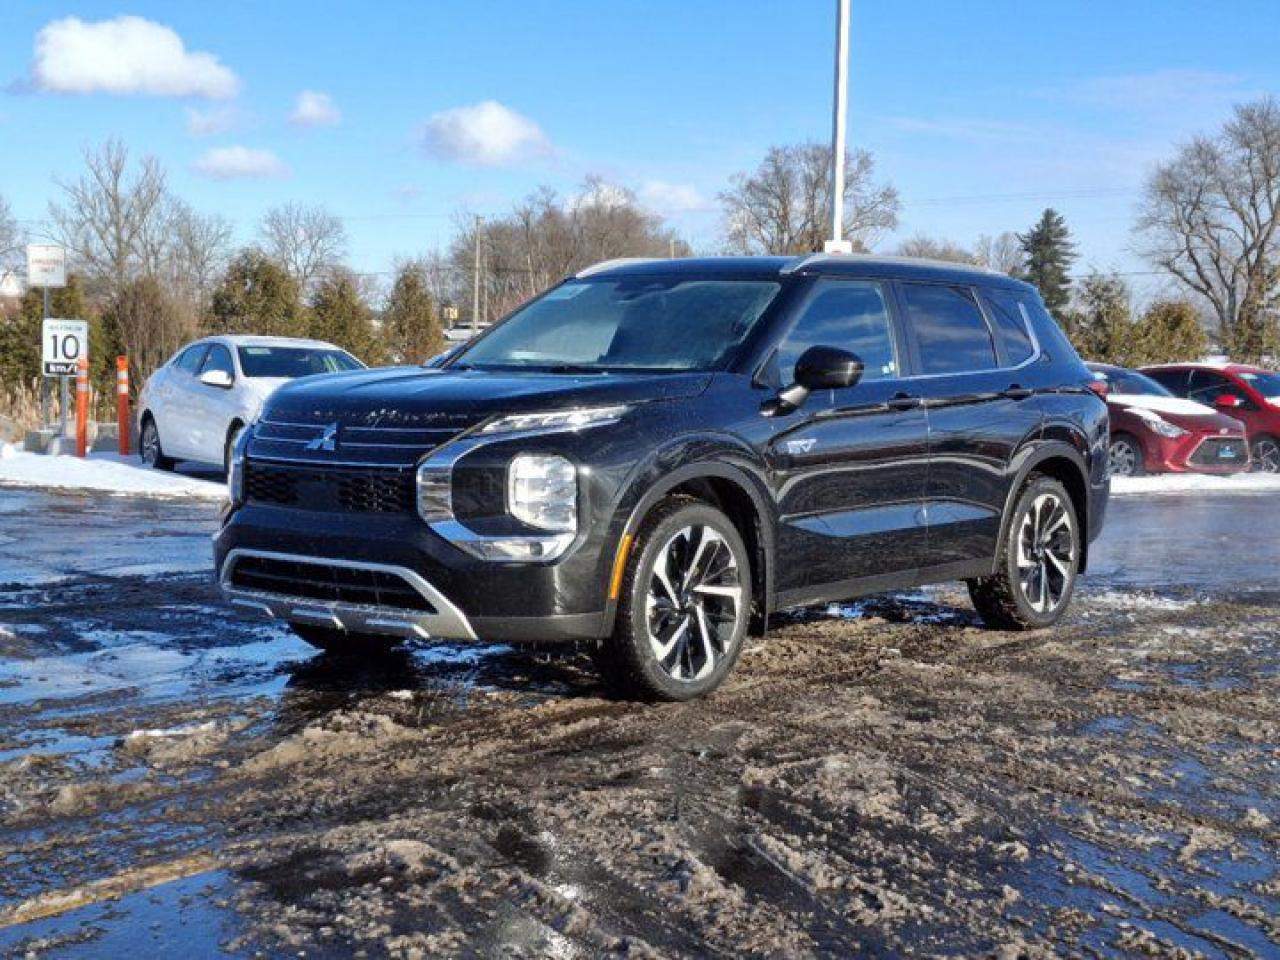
<point>1169,331</point>
<point>1048,254</point>
<point>340,316</point>
<point>257,295</point>
<point>1103,324</point>
<point>410,323</point>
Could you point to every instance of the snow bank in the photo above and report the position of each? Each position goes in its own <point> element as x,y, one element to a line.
<point>1192,483</point>
<point>102,472</point>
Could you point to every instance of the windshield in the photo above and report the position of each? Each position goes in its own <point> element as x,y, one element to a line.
<point>1129,382</point>
<point>289,363</point>
<point>633,323</point>
<point>1267,384</point>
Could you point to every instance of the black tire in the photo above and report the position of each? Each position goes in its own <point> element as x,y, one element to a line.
<point>149,447</point>
<point>1264,454</point>
<point>1010,599</point>
<point>343,643</point>
<point>698,618</point>
<point>1126,453</point>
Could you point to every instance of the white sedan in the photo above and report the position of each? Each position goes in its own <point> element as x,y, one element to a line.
<point>195,406</point>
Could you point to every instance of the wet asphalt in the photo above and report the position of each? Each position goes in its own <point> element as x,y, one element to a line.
<point>107,604</point>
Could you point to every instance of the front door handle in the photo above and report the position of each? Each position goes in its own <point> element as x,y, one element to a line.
<point>904,401</point>
<point>1016,391</point>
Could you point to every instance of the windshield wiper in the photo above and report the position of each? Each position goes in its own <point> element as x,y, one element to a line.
<point>573,368</point>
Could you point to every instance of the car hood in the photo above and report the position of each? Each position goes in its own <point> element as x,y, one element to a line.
<point>418,397</point>
<point>1177,410</point>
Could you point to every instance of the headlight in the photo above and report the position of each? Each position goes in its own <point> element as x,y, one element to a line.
<point>542,491</point>
<point>235,467</point>
<point>1162,426</point>
<point>555,420</point>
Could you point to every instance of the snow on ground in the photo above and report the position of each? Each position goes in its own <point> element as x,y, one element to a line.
<point>1196,483</point>
<point>102,472</point>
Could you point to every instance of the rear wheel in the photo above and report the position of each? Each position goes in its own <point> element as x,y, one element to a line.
<point>1126,456</point>
<point>1265,454</point>
<point>685,605</point>
<point>1038,563</point>
<point>151,451</point>
<point>343,643</point>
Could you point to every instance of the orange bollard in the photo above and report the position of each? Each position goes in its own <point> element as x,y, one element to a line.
<point>122,403</point>
<point>82,406</point>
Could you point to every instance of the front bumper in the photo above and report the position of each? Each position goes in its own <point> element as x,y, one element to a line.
<point>1189,454</point>
<point>464,598</point>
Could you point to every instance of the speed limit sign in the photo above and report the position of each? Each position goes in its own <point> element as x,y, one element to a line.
<point>63,343</point>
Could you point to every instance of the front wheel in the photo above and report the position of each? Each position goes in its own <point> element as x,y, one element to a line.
<point>1126,456</point>
<point>1038,562</point>
<point>342,643</point>
<point>1265,455</point>
<point>684,608</point>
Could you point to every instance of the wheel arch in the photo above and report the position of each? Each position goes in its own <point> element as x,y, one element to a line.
<point>733,488</point>
<point>1063,463</point>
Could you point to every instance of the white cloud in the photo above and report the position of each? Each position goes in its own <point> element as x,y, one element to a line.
<point>315,109</point>
<point>484,135</point>
<point>125,55</point>
<point>226,163</point>
<point>672,197</point>
<point>209,123</point>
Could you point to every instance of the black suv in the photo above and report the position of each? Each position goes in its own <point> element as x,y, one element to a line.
<point>653,456</point>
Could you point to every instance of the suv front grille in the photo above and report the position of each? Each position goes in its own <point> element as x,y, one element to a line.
<point>1219,452</point>
<point>321,581</point>
<point>314,488</point>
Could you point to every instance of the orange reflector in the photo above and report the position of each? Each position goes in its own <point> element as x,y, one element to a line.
<point>619,564</point>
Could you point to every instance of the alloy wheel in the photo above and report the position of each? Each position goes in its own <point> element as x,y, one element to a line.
<point>1123,459</point>
<point>150,444</point>
<point>1266,456</point>
<point>1046,553</point>
<point>693,601</point>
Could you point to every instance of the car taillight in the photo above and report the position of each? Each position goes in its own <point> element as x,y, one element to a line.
<point>1099,387</point>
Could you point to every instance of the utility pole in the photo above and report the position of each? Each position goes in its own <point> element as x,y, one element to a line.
<point>837,243</point>
<point>475,283</point>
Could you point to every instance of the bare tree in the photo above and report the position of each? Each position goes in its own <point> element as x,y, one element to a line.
<point>200,246</point>
<point>110,220</point>
<point>922,245</point>
<point>1210,217</point>
<point>307,241</point>
<point>784,207</point>
<point>1002,253</point>
<point>10,240</point>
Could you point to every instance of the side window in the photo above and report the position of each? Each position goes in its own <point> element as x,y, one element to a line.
<point>951,332</point>
<point>849,314</point>
<point>1207,387</point>
<point>1011,324</point>
<point>1175,381</point>
<point>219,358</point>
<point>191,357</point>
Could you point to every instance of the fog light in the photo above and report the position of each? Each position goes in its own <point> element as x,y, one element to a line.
<point>542,491</point>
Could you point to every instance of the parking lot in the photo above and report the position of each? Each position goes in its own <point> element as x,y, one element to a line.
<point>881,776</point>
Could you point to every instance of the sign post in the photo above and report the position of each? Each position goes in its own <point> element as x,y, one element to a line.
<point>47,268</point>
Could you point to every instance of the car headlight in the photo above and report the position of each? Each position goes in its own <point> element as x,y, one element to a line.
<point>235,467</point>
<point>1162,426</point>
<point>542,491</point>
<point>555,420</point>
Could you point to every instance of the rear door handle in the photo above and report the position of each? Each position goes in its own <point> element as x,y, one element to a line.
<point>1016,392</point>
<point>904,401</point>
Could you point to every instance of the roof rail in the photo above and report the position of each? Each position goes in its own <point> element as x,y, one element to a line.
<point>610,264</point>
<point>800,263</point>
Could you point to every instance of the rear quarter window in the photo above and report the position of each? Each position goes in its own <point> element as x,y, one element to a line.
<point>1011,320</point>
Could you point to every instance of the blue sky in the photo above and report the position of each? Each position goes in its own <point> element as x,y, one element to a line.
<point>980,113</point>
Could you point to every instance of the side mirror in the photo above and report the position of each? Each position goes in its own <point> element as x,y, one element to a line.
<point>819,368</point>
<point>217,378</point>
<point>1227,401</point>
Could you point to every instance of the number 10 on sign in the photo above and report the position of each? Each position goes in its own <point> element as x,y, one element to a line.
<point>63,343</point>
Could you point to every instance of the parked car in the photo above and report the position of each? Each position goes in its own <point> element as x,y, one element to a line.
<point>1249,394</point>
<point>653,456</point>
<point>1152,431</point>
<point>194,406</point>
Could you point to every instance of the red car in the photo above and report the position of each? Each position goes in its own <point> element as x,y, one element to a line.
<point>1152,431</point>
<point>1249,394</point>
